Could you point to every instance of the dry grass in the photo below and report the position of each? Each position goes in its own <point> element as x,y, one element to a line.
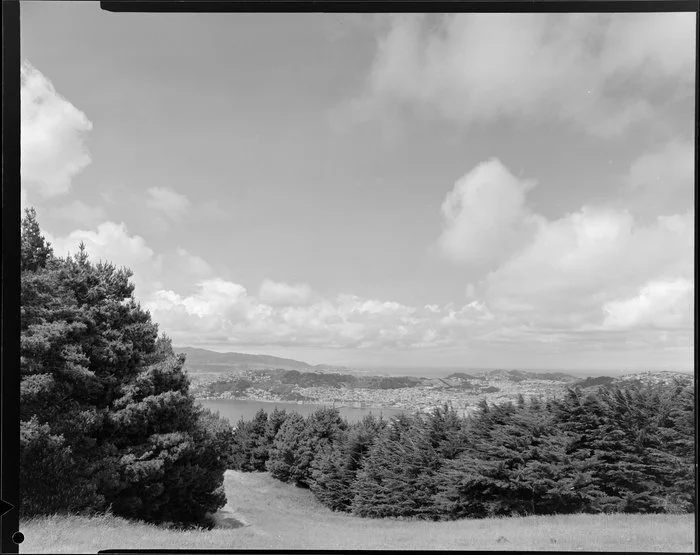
<point>278,516</point>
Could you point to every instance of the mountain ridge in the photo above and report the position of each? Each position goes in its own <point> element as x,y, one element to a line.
<point>200,360</point>
<point>204,360</point>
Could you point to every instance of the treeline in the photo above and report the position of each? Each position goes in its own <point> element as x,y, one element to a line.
<point>106,416</point>
<point>613,450</point>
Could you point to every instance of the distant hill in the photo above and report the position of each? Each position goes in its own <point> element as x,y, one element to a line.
<point>644,377</point>
<point>460,376</point>
<point>522,375</point>
<point>206,361</point>
<point>655,377</point>
<point>594,382</point>
<point>203,360</point>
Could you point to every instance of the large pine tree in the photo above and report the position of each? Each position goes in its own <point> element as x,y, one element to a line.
<point>251,445</point>
<point>300,440</point>
<point>106,414</point>
<point>335,466</point>
<point>397,476</point>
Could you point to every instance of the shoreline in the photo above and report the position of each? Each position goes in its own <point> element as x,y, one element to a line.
<point>305,404</point>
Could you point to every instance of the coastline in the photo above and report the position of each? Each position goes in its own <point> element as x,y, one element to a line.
<point>299,403</point>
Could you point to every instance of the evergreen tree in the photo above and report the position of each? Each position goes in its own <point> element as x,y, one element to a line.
<point>251,444</point>
<point>283,461</point>
<point>274,422</point>
<point>253,440</point>
<point>330,479</point>
<point>515,463</point>
<point>323,429</point>
<point>106,414</point>
<point>299,441</point>
<point>397,477</point>
<point>334,468</point>
<point>35,251</point>
<point>640,471</point>
<point>638,442</point>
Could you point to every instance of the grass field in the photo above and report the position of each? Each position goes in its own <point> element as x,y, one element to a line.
<point>266,514</point>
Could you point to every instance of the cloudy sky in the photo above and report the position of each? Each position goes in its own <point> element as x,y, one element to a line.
<point>474,190</point>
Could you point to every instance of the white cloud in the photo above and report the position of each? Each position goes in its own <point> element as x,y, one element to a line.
<point>53,132</point>
<point>572,279</point>
<point>225,311</point>
<point>664,304</point>
<point>485,217</point>
<point>111,242</point>
<point>570,286</point>
<point>580,278</point>
<point>598,72</point>
<point>165,200</point>
<point>281,315</point>
<point>283,294</point>
<point>576,263</point>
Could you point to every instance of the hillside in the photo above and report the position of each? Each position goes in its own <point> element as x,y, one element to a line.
<point>206,361</point>
<point>203,360</point>
<point>267,378</point>
<point>524,375</point>
<point>263,513</point>
<point>646,378</point>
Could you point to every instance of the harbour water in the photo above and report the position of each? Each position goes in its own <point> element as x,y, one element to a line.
<point>234,409</point>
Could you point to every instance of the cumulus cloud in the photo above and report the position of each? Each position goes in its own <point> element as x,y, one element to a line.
<point>485,216</point>
<point>283,294</point>
<point>53,149</point>
<point>598,72</point>
<point>572,278</point>
<point>227,311</point>
<point>111,242</point>
<point>576,263</point>
<point>662,303</point>
<point>171,203</point>
<point>581,280</point>
<point>281,314</point>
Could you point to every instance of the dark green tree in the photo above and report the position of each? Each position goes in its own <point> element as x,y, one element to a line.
<point>35,251</point>
<point>283,461</point>
<point>274,422</point>
<point>251,443</point>
<point>637,440</point>
<point>106,414</point>
<point>397,476</point>
<point>515,462</point>
<point>298,441</point>
<point>334,468</point>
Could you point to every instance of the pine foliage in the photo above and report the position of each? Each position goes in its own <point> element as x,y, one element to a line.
<point>627,449</point>
<point>106,414</point>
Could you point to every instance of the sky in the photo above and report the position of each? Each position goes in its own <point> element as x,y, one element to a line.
<point>433,190</point>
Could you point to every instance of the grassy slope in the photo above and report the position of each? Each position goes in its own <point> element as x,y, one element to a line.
<point>279,516</point>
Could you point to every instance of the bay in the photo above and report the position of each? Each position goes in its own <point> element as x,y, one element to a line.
<point>234,409</point>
